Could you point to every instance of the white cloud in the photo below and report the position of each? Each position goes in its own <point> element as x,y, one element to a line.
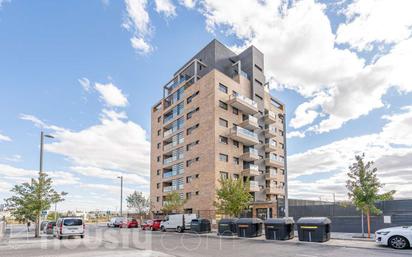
<point>111,95</point>
<point>301,54</point>
<point>391,149</point>
<point>13,158</point>
<point>188,3</point>
<point>4,138</point>
<point>166,7</point>
<point>114,144</point>
<point>295,133</point>
<point>137,21</point>
<point>85,83</point>
<point>375,21</point>
<point>141,45</point>
<point>110,174</point>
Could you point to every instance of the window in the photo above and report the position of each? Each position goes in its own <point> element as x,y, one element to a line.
<point>258,82</point>
<point>223,123</point>
<point>236,143</point>
<point>223,88</point>
<point>158,185</point>
<point>282,146</point>
<point>197,176</point>
<point>191,129</point>
<point>190,98</point>
<point>188,195</point>
<point>189,179</point>
<point>235,176</point>
<point>191,145</point>
<point>223,140</point>
<point>197,193</point>
<point>259,97</point>
<point>158,158</point>
<point>281,132</point>
<point>190,114</point>
<point>235,111</point>
<point>159,118</point>
<point>158,132</point>
<point>223,157</point>
<point>223,105</point>
<point>158,145</point>
<point>158,172</point>
<point>257,67</point>
<point>192,161</point>
<point>224,175</point>
<point>157,199</point>
<point>236,160</point>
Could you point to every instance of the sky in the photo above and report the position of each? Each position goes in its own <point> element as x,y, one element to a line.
<point>88,72</point>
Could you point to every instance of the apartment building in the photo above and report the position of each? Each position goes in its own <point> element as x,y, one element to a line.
<point>217,119</point>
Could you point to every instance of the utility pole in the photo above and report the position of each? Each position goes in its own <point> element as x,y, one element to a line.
<point>121,195</point>
<point>286,165</point>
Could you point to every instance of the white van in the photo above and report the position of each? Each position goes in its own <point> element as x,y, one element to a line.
<point>178,222</point>
<point>116,222</point>
<point>71,226</point>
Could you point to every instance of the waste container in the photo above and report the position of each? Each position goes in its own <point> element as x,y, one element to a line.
<point>200,226</point>
<point>249,227</point>
<point>227,227</point>
<point>314,229</point>
<point>279,229</point>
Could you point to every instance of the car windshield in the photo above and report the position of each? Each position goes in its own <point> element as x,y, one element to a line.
<point>72,222</point>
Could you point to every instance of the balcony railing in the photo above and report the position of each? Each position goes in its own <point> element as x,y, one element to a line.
<point>270,117</point>
<point>246,105</point>
<point>244,136</point>
<point>169,189</point>
<point>253,186</point>
<point>251,150</point>
<point>172,159</point>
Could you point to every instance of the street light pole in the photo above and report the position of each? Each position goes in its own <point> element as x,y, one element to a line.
<point>286,166</point>
<point>121,195</point>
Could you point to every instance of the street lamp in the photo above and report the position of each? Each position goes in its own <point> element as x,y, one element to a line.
<point>42,136</point>
<point>121,195</point>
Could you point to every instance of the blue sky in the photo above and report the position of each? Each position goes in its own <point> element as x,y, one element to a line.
<point>343,76</point>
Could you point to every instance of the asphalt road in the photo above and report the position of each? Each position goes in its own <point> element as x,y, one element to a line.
<point>102,241</point>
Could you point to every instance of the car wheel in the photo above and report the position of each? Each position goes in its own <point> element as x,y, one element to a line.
<point>398,242</point>
<point>179,229</point>
<point>60,237</point>
<point>82,236</point>
<point>162,229</point>
<point>151,228</point>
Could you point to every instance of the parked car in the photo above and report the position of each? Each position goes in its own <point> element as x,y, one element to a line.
<point>178,222</point>
<point>115,222</point>
<point>71,226</point>
<point>43,224</point>
<point>151,224</point>
<point>395,237</point>
<point>130,223</point>
<point>49,228</point>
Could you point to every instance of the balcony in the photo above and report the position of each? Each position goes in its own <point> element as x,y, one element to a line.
<point>169,189</point>
<point>253,186</point>
<point>274,161</point>
<point>244,136</point>
<point>274,190</point>
<point>250,154</point>
<point>250,122</point>
<point>270,131</point>
<point>271,174</point>
<point>246,105</point>
<point>270,117</point>
<point>270,146</point>
<point>250,170</point>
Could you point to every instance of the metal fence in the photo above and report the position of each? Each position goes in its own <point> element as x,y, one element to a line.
<point>346,218</point>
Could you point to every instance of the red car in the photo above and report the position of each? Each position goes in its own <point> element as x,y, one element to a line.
<point>130,223</point>
<point>151,225</point>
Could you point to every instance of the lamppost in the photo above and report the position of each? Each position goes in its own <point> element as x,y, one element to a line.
<point>286,166</point>
<point>121,195</point>
<point>42,136</point>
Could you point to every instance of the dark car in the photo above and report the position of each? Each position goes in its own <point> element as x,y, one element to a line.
<point>130,223</point>
<point>151,225</point>
<point>48,229</point>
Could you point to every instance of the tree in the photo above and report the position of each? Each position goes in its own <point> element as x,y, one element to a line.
<point>138,202</point>
<point>364,186</point>
<point>30,199</point>
<point>233,197</point>
<point>173,203</point>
